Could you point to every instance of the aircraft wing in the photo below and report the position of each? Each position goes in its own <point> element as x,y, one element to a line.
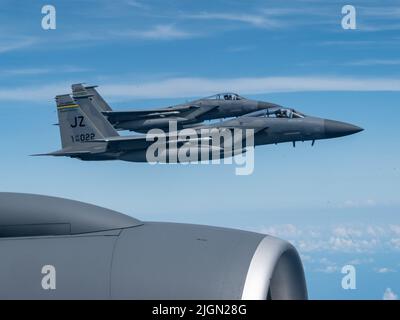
<point>62,154</point>
<point>139,142</point>
<point>121,116</point>
<point>120,143</point>
<point>242,122</point>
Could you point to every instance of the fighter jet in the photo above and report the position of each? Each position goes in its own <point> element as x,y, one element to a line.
<point>222,105</point>
<point>87,135</point>
<point>279,124</point>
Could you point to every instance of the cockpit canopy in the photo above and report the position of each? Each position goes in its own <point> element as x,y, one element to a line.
<point>287,113</point>
<point>225,96</point>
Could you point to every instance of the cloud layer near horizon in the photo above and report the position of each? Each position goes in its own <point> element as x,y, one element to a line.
<point>191,87</point>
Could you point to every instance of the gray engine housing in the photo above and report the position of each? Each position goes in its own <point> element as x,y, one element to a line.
<point>98,253</point>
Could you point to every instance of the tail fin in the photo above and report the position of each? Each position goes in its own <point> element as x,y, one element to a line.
<point>98,100</point>
<point>75,126</point>
<point>85,102</point>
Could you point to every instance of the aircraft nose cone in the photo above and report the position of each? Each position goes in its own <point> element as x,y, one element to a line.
<point>335,129</point>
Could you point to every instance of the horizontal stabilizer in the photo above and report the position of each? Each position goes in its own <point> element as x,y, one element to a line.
<point>62,154</point>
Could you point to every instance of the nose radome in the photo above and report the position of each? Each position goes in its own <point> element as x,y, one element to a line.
<point>339,129</point>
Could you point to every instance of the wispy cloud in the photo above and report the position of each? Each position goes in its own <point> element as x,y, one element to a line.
<point>254,20</point>
<point>395,229</point>
<point>389,295</point>
<point>290,11</point>
<point>42,94</point>
<point>375,19</point>
<point>395,243</point>
<point>7,45</point>
<point>285,230</point>
<point>192,87</point>
<point>353,43</point>
<point>357,203</point>
<point>137,4</point>
<point>271,18</point>
<point>349,244</point>
<point>384,270</point>
<point>44,70</point>
<point>380,12</point>
<point>328,269</point>
<point>345,231</point>
<point>188,87</point>
<point>374,62</point>
<point>360,261</point>
<point>240,48</point>
<point>158,32</point>
<point>326,266</point>
<point>341,238</point>
<point>376,27</point>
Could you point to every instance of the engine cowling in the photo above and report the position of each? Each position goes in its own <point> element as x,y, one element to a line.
<point>54,248</point>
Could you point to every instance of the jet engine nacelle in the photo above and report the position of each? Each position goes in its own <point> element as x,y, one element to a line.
<point>53,248</point>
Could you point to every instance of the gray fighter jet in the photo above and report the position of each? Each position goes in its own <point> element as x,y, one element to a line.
<point>87,135</point>
<point>279,124</point>
<point>54,248</point>
<point>223,105</point>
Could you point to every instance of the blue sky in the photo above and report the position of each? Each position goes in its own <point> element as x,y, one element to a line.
<point>338,201</point>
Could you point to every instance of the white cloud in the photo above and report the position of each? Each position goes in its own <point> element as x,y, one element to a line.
<point>328,269</point>
<point>326,266</point>
<point>194,86</point>
<point>358,203</point>
<point>271,18</point>
<point>37,93</point>
<point>298,11</point>
<point>44,70</point>
<point>375,231</point>
<point>395,243</point>
<point>374,62</point>
<point>284,231</point>
<point>376,27</point>
<point>385,270</point>
<point>381,12</point>
<point>186,87</point>
<point>239,48</point>
<point>136,4</point>
<point>361,261</point>
<point>310,245</point>
<point>378,18</point>
<point>333,238</point>
<point>158,32</point>
<point>347,232</point>
<point>345,244</point>
<point>395,229</point>
<point>190,87</point>
<point>15,44</point>
<point>306,258</point>
<point>251,19</point>
<point>389,295</point>
<point>352,43</point>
